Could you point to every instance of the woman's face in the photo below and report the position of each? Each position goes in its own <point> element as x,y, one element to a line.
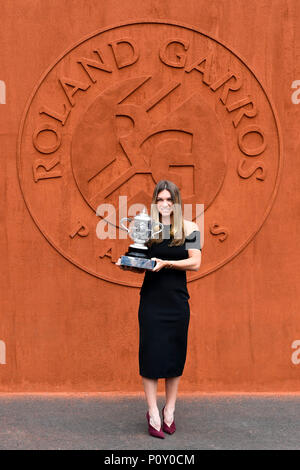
<point>164,203</point>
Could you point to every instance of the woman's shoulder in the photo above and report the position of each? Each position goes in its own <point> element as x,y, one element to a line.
<point>189,227</point>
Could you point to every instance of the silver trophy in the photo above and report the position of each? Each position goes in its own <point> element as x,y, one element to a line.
<point>141,231</point>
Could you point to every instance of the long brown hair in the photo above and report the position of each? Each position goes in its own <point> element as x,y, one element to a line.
<point>176,218</point>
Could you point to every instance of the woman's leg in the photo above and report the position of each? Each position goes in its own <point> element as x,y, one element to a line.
<point>171,387</point>
<point>150,387</point>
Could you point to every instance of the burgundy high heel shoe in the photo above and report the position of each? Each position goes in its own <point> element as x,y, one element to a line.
<point>169,429</point>
<point>152,431</point>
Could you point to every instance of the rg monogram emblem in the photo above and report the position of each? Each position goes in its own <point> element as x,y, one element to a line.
<point>134,104</point>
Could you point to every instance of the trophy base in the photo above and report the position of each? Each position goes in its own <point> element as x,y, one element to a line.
<point>135,262</point>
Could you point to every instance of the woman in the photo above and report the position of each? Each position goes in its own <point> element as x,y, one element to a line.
<point>164,309</point>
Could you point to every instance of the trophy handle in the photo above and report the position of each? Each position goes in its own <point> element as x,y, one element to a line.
<point>158,230</point>
<point>125,218</point>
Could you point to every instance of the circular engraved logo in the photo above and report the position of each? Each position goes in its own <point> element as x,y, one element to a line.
<point>131,105</point>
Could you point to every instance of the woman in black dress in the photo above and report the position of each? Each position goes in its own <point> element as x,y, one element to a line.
<point>164,309</point>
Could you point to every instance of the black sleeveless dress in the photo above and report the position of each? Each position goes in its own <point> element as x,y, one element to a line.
<point>164,312</point>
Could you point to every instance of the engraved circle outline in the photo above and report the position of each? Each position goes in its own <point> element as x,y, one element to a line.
<point>222,44</point>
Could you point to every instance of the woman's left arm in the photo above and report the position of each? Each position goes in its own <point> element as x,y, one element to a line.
<point>192,263</point>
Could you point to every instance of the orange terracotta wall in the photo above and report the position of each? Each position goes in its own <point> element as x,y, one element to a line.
<point>99,101</point>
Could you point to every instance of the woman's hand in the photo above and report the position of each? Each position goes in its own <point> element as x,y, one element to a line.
<point>160,263</point>
<point>129,268</point>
